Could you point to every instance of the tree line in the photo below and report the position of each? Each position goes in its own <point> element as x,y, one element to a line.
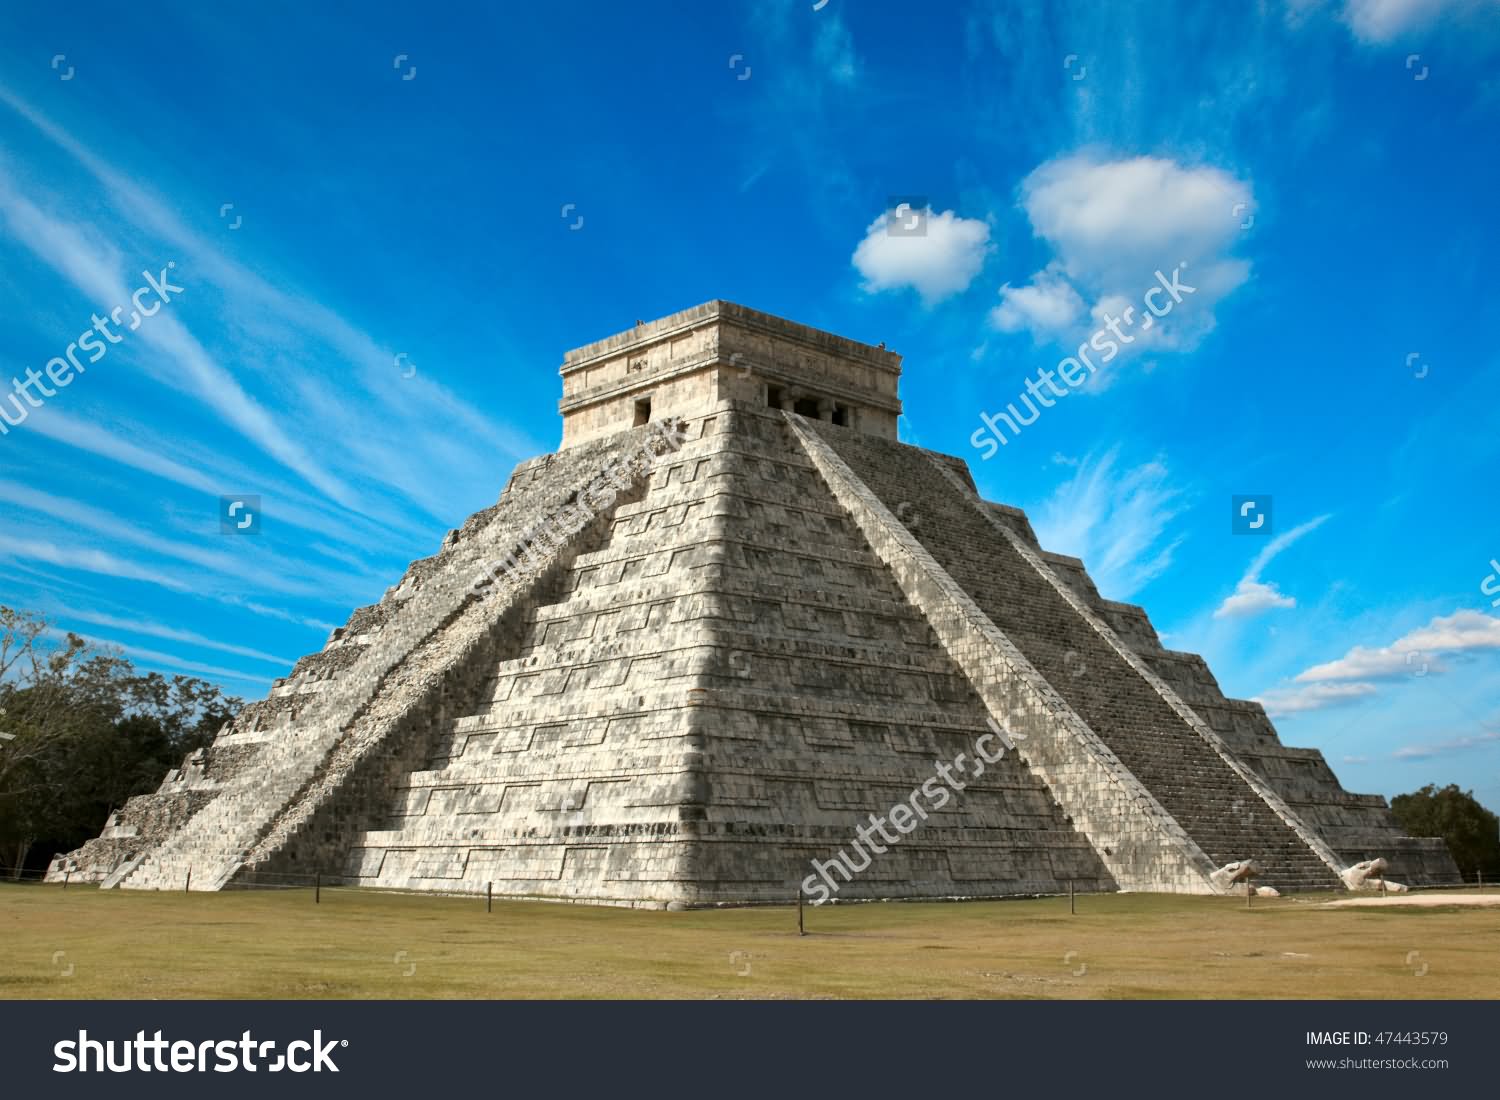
<point>1472,832</point>
<point>81,731</point>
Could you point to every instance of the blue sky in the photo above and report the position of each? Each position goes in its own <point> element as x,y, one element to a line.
<point>365,207</point>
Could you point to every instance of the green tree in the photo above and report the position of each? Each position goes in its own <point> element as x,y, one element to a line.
<point>84,732</point>
<point>1471,831</point>
<point>44,719</point>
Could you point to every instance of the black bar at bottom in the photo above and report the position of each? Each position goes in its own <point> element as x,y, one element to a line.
<point>571,1048</point>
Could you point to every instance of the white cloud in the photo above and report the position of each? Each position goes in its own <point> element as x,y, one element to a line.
<point>1382,21</point>
<point>1251,598</point>
<point>1459,631</point>
<point>133,445</point>
<point>1312,697</point>
<point>88,560</point>
<point>169,661</point>
<point>1442,748</point>
<point>160,630</point>
<point>388,428</point>
<point>1349,679</point>
<point>834,51</point>
<point>269,574</point>
<point>1362,664</point>
<point>939,263</point>
<point>1252,595</point>
<point>1046,306</point>
<point>94,268</point>
<point>1462,631</point>
<point>88,435</point>
<point>1110,218</point>
<point>280,613</point>
<point>1115,520</point>
<point>1113,225</point>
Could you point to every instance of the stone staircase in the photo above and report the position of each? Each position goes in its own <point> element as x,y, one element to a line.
<point>206,852</point>
<point>346,822</point>
<point>397,678</point>
<point>1228,817</point>
<point>711,697</point>
<point>220,837</point>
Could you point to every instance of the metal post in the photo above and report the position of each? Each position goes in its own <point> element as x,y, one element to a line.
<point>65,879</point>
<point>1072,905</point>
<point>1382,887</point>
<point>317,887</point>
<point>801,929</point>
<point>1249,896</point>
<point>188,885</point>
<point>489,897</point>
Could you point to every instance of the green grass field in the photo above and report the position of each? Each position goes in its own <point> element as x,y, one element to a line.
<point>87,943</point>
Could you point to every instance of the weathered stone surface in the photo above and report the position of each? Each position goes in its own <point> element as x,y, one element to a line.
<point>683,674</point>
<point>690,362</point>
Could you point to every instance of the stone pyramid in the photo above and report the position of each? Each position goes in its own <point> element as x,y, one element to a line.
<point>686,658</point>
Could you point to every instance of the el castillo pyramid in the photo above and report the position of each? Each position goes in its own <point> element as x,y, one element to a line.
<point>684,658</point>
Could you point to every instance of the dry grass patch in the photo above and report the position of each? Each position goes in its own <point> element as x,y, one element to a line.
<point>87,943</point>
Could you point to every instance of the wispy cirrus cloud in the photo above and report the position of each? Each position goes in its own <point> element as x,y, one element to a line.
<point>177,460</point>
<point>1117,519</point>
<point>341,381</point>
<point>169,661</point>
<point>248,384</point>
<point>833,51</point>
<point>237,567</point>
<point>89,560</point>
<point>1252,595</point>
<point>1445,748</point>
<point>63,614</point>
<point>282,613</point>
<point>1382,22</point>
<point>96,270</point>
<point>816,80</point>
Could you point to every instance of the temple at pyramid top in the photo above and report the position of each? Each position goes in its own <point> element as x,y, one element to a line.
<point>686,363</point>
